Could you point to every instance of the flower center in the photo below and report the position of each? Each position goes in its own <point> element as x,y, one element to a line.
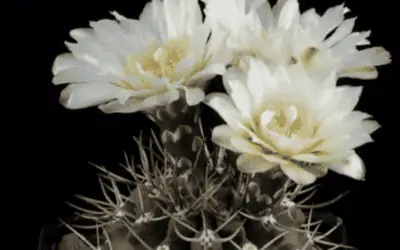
<point>160,60</point>
<point>285,128</point>
<point>289,120</point>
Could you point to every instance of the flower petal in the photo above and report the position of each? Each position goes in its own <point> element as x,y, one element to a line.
<point>253,164</point>
<point>353,167</point>
<point>153,16</point>
<point>81,33</point>
<point>209,72</point>
<point>332,18</point>
<point>309,18</point>
<point>289,14</point>
<point>297,174</point>
<point>233,82</point>
<point>263,11</point>
<point>375,56</point>
<point>86,73</point>
<point>134,105</point>
<point>194,95</point>
<point>224,106</point>
<point>349,43</point>
<point>255,83</point>
<point>181,17</point>
<point>363,73</point>
<point>221,135</point>
<point>348,97</point>
<point>130,106</point>
<point>341,32</point>
<point>83,95</point>
<point>245,146</point>
<point>65,61</point>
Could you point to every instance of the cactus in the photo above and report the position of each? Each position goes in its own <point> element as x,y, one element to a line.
<point>188,195</point>
<point>287,124</point>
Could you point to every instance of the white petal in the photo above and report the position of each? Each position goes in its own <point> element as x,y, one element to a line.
<point>356,141</point>
<point>349,43</point>
<point>254,139</point>
<point>81,34</point>
<point>153,16</point>
<point>359,116</point>
<point>97,54</point>
<point>348,97</point>
<point>253,5</point>
<point>162,99</point>
<point>111,34</point>
<point>264,14</point>
<point>370,126</point>
<point>233,75</point>
<point>297,174</point>
<point>134,105</point>
<point>186,64</point>
<point>353,167</point>
<point>277,9</point>
<point>253,164</point>
<point>265,119</point>
<point>311,158</point>
<point>86,73</point>
<point>364,73</point>
<point>331,80</point>
<point>130,106</point>
<point>289,14</point>
<point>225,107</point>
<point>141,33</point>
<point>191,16</point>
<point>245,146</point>
<point>329,21</point>
<point>375,56</point>
<point>258,77</point>
<point>309,18</point>
<point>194,96</point>
<point>241,97</point>
<point>178,16</point>
<point>341,32</point>
<point>356,123</point>
<point>210,71</point>
<point>83,95</point>
<point>172,17</point>
<point>284,143</point>
<point>65,61</point>
<point>291,114</point>
<point>297,74</point>
<point>217,49</point>
<point>221,135</point>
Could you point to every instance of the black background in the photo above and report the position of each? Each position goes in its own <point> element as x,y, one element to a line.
<point>46,148</point>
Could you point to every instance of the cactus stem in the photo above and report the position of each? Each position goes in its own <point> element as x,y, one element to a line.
<point>235,208</point>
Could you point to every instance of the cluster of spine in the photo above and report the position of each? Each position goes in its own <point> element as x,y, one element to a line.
<point>185,195</point>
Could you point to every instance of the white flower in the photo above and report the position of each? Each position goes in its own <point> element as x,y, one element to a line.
<point>285,118</point>
<point>281,35</point>
<point>127,65</point>
<point>237,29</point>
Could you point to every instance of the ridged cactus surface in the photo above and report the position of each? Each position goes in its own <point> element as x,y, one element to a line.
<point>188,196</point>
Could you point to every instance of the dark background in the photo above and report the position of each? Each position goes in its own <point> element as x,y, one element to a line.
<point>46,148</point>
